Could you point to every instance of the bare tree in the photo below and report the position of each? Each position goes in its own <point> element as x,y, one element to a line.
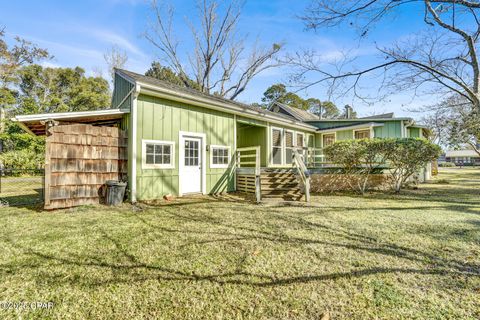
<point>443,59</point>
<point>219,63</point>
<point>115,58</point>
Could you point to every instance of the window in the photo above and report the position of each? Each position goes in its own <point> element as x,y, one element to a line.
<point>300,140</point>
<point>219,156</point>
<point>158,154</point>
<point>328,139</point>
<point>288,147</point>
<point>192,152</point>
<point>362,134</point>
<point>276,146</point>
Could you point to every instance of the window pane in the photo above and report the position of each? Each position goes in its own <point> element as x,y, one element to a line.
<point>215,152</point>
<point>288,139</point>
<point>288,155</point>
<point>277,156</point>
<point>364,134</point>
<point>328,139</point>
<point>149,159</point>
<point>158,159</point>
<point>276,138</point>
<point>150,148</point>
<point>299,140</point>
<point>166,159</point>
<point>166,149</point>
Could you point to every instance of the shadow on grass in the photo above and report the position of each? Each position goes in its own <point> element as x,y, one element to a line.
<point>129,268</point>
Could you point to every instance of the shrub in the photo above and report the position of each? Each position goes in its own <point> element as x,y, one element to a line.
<point>407,156</point>
<point>447,164</point>
<point>404,157</point>
<point>22,159</point>
<point>357,157</point>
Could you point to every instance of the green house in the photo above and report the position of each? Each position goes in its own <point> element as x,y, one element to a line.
<point>181,141</point>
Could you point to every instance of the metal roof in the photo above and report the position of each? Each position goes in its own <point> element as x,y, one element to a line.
<point>179,93</point>
<point>297,113</point>
<point>36,123</point>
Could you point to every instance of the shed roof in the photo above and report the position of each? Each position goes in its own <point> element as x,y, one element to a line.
<point>35,123</point>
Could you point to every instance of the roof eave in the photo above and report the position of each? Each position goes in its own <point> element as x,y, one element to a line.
<point>217,105</point>
<point>352,127</point>
<point>67,115</point>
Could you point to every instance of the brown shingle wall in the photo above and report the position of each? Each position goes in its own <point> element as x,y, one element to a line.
<point>79,159</point>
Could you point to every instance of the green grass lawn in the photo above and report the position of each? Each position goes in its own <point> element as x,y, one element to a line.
<point>382,256</point>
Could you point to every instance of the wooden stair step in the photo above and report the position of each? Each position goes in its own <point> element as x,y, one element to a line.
<point>280,185</point>
<point>280,192</point>
<point>277,176</point>
<point>296,197</point>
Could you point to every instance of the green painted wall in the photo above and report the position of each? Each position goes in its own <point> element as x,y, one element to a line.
<point>414,132</point>
<point>160,119</point>
<point>121,89</point>
<point>250,136</point>
<point>344,135</point>
<point>391,129</point>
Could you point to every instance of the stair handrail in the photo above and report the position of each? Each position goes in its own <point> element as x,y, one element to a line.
<point>303,172</point>
<point>241,155</point>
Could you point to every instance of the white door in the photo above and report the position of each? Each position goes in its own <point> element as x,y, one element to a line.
<point>191,171</point>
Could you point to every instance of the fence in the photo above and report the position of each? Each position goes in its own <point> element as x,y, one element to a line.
<point>21,187</point>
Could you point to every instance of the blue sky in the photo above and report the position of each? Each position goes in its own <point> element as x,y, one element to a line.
<point>78,33</point>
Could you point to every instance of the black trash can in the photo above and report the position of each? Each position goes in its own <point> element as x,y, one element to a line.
<point>115,192</point>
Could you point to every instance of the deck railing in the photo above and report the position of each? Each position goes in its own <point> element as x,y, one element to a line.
<point>250,157</point>
<point>299,164</point>
<point>315,158</point>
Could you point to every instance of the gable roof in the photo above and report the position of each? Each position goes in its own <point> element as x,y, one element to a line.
<point>149,85</point>
<point>299,114</point>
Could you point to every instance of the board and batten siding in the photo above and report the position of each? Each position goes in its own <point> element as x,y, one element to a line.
<point>122,88</point>
<point>390,129</point>
<point>414,133</point>
<point>160,119</point>
<point>251,136</point>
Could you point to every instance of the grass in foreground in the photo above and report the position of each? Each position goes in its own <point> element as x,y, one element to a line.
<point>409,256</point>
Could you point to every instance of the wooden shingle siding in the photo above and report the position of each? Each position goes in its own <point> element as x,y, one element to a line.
<point>79,159</point>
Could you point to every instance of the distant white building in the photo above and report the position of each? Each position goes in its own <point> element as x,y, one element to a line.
<point>463,157</point>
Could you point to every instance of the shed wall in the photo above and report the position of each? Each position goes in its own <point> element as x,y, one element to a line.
<point>160,119</point>
<point>79,159</point>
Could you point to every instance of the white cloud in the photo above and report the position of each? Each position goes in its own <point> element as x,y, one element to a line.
<point>115,39</point>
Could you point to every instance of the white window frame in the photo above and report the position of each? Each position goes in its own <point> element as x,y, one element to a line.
<point>146,165</point>
<point>364,129</point>
<point>229,156</point>
<point>334,137</point>
<point>282,146</point>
